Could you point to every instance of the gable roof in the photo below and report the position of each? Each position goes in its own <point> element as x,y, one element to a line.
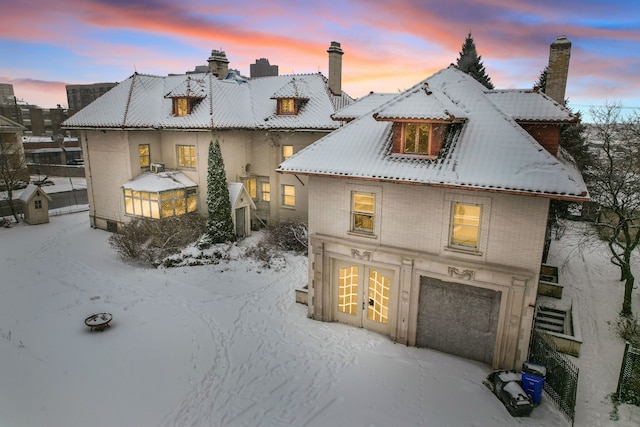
<point>145,102</point>
<point>30,192</point>
<point>489,151</point>
<point>362,106</point>
<point>238,194</point>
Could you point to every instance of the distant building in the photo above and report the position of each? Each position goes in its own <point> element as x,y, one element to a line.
<point>79,96</point>
<point>6,93</point>
<point>262,68</point>
<point>37,121</point>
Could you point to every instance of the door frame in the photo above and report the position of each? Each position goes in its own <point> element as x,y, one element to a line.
<point>360,319</point>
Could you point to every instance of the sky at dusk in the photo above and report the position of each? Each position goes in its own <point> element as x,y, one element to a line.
<point>388,45</point>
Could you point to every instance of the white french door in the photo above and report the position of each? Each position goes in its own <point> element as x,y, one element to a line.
<point>362,295</point>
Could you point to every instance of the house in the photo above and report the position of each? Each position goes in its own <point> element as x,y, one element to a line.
<point>35,205</point>
<point>11,147</point>
<point>427,215</point>
<point>149,124</point>
<point>13,173</point>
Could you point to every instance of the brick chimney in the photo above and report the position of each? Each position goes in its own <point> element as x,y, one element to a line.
<point>558,69</point>
<point>218,64</point>
<point>335,68</point>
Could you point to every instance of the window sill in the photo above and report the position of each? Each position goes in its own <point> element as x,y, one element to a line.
<point>414,155</point>
<point>288,207</point>
<point>463,251</point>
<point>362,234</point>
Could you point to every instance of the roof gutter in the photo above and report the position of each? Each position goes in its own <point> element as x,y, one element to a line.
<point>583,197</point>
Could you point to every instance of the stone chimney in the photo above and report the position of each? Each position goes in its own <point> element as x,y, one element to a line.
<point>558,69</point>
<point>335,68</point>
<point>218,64</point>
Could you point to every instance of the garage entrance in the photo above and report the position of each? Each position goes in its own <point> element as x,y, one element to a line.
<point>362,295</point>
<point>458,319</point>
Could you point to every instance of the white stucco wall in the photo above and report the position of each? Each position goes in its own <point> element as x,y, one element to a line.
<point>112,158</point>
<point>411,236</point>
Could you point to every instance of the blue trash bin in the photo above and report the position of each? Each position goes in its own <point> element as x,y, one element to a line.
<point>533,377</point>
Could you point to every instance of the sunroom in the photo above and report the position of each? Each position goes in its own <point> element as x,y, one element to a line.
<point>160,195</point>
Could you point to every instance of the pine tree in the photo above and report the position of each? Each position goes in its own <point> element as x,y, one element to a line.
<point>471,63</point>
<point>219,221</point>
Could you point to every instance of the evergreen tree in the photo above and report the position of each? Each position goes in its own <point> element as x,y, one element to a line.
<point>471,63</point>
<point>219,221</point>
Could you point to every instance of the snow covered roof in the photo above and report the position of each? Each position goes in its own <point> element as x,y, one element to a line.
<point>490,151</point>
<point>362,106</point>
<point>296,89</point>
<point>145,102</point>
<point>530,105</point>
<point>158,182</point>
<point>420,103</point>
<point>29,192</point>
<point>236,190</point>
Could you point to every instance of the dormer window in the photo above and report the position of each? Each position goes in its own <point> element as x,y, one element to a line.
<point>418,138</point>
<point>186,96</point>
<point>291,97</point>
<point>288,106</point>
<point>183,106</point>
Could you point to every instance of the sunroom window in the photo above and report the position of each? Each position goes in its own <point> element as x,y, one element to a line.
<point>162,204</point>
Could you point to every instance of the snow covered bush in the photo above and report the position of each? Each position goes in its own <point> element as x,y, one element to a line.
<point>148,241</point>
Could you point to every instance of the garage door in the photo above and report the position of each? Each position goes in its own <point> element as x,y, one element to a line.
<point>458,319</point>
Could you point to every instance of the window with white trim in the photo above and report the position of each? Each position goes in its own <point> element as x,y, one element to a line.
<point>363,207</point>
<point>145,155</point>
<point>186,156</point>
<point>287,151</point>
<point>266,191</point>
<point>289,196</point>
<point>465,226</point>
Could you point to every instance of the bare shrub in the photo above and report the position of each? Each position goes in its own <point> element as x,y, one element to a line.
<point>288,236</point>
<point>627,328</point>
<point>285,237</point>
<point>147,241</point>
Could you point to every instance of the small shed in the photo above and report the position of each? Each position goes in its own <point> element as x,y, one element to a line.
<point>241,205</point>
<point>35,205</point>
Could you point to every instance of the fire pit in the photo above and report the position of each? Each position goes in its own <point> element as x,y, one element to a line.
<point>98,321</point>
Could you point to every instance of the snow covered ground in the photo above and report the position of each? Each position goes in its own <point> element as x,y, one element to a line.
<point>226,345</point>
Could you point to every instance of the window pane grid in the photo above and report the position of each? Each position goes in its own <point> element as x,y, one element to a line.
<point>378,307</point>
<point>266,192</point>
<point>348,290</point>
<point>187,156</point>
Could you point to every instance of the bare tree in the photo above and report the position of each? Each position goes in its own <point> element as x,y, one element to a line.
<point>14,174</point>
<point>614,184</point>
